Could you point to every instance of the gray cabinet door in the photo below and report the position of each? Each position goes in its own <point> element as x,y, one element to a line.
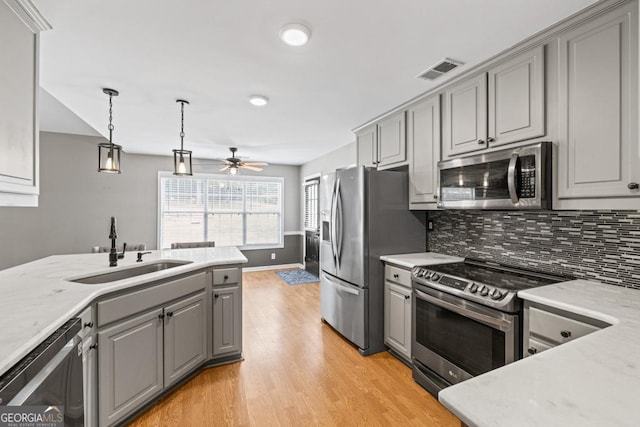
<point>392,141</point>
<point>367,141</point>
<point>465,121</point>
<point>185,337</point>
<point>516,98</point>
<point>129,365</point>
<point>598,107</point>
<point>18,110</point>
<point>423,140</point>
<point>227,320</point>
<point>397,318</point>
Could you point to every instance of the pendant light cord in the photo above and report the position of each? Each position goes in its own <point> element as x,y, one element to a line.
<point>110,122</point>
<point>181,126</point>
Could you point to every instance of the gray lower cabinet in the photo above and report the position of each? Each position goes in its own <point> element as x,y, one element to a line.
<point>397,310</point>
<point>227,320</point>
<point>598,107</point>
<point>130,365</point>
<point>185,337</point>
<point>139,357</point>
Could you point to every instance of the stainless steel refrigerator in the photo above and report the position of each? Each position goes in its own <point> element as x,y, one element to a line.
<point>364,214</point>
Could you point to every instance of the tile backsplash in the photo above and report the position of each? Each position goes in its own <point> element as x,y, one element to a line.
<point>595,245</point>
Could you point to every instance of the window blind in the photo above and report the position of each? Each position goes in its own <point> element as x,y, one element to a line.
<point>243,211</point>
<point>311,200</point>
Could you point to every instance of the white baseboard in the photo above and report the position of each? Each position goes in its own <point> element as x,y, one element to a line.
<point>272,267</point>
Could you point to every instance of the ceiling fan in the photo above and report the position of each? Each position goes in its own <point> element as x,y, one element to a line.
<point>233,164</point>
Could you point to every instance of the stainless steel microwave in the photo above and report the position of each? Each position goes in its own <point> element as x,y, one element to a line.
<point>518,178</point>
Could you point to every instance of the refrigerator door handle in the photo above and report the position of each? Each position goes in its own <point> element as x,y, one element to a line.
<point>341,287</point>
<point>332,231</point>
<point>339,220</point>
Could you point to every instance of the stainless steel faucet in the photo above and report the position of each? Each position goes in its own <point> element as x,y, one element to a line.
<point>114,256</point>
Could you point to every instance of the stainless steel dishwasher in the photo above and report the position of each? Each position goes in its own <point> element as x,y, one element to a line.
<point>51,375</point>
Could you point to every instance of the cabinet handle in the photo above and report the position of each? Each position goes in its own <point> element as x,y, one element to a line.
<point>216,296</point>
<point>395,276</point>
<point>93,346</point>
<point>160,316</point>
<point>633,186</point>
<point>170,314</point>
<point>565,334</point>
<point>532,350</point>
<point>490,139</point>
<point>435,196</point>
<point>407,296</point>
<point>88,325</point>
<point>226,277</point>
<point>481,141</point>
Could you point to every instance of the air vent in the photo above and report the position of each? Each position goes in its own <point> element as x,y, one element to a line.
<point>439,69</point>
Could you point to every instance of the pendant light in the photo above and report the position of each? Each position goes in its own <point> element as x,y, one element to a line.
<point>109,154</point>
<point>182,157</point>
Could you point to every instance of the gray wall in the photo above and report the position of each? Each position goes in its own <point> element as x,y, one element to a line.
<point>76,203</point>
<point>340,158</point>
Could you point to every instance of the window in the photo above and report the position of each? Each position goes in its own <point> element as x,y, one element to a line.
<point>311,188</point>
<point>243,211</point>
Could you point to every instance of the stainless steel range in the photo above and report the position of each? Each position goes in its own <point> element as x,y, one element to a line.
<point>467,319</point>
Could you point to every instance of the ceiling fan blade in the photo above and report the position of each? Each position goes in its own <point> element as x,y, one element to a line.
<point>224,168</point>
<point>256,163</point>
<point>251,168</point>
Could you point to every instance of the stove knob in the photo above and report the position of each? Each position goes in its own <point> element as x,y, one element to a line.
<point>435,277</point>
<point>496,294</point>
<point>484,291</point>
<point>473,288</point>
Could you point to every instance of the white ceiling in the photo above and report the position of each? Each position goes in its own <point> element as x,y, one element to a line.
<point>361,61</point>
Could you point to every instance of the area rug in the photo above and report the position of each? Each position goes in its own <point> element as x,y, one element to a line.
<point>297,277</point>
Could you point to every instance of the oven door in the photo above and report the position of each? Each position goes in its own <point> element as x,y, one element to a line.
<point>458,339</point>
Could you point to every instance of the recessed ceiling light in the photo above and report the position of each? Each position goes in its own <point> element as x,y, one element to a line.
<point>295,34</point>
<point>258,100</point>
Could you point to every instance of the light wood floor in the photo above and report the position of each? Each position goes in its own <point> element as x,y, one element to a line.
<point>297,372</point>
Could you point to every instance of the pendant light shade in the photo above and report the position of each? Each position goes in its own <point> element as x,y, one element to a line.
<point>109,153</point>
<point>182,158</point>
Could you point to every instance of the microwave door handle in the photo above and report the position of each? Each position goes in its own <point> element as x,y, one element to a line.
<point>503,325</point>
<point>511,178</point>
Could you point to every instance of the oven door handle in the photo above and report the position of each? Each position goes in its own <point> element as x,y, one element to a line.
<point>503,325</point>
<point>511,178</point>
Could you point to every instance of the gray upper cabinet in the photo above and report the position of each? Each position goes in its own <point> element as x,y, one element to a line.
<point>18,110</point>
<point>516,99</point>
<point>465,119</point>
<point>392,141</point>
<point>503,106</point>
<point>185,337</point>
<point>130,366</point>
<point>598,107</point>
<point>367,141</point>
<point>423,142</point>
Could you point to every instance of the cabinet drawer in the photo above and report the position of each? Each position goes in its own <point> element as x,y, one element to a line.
<point>555,328</point>
<point>225,276</point>
<point>398,275</point>
<point>536,347</point>
<point>134,302</point>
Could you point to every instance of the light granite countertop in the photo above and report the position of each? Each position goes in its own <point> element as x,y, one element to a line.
<point>590,381</point>
<point>420,258</point>
<point>37,298</point>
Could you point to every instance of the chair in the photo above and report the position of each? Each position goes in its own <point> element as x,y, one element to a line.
<point>187,245</point>
<point>130,248</point>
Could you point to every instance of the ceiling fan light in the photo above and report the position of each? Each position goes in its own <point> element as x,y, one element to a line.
<point>295,34</point>
<point>233,170</point>
<point>258,100</point>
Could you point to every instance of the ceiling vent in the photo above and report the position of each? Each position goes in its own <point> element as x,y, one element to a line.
<point>439,69</point>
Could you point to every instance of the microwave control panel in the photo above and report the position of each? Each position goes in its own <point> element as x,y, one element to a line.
<point>528,177</point>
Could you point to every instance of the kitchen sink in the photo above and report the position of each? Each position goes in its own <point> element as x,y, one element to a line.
<point>128,273</point>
